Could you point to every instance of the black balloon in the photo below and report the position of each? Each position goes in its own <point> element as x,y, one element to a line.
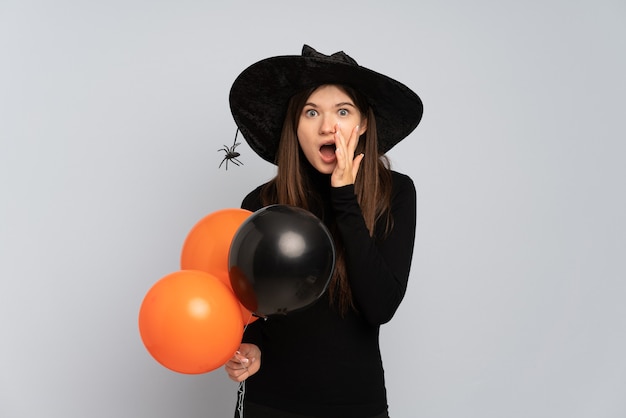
<point>281,259</point>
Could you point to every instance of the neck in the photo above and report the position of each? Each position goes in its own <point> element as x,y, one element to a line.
<point>319,181</point>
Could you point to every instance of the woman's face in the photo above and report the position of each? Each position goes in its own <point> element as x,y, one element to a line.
<point>327,109</point>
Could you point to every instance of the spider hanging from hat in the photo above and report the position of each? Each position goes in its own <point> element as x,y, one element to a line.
<point>231,155</point>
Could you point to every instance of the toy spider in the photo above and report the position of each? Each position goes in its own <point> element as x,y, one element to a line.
<point>231,154</point>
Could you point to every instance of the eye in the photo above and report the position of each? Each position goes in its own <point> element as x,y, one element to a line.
<point>343,112</point>
<point>311,113</point>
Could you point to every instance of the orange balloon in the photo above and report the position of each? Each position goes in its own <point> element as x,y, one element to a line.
<point>190,322</point>
<point>207,244</point>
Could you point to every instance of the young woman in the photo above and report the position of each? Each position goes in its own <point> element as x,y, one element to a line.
<point>327,122</point>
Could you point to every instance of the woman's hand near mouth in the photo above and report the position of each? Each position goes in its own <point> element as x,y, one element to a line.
<point>347,167</point>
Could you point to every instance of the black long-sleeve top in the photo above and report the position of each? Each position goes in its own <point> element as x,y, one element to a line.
<point>315,361</point>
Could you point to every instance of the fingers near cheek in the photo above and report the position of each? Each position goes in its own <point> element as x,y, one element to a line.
<point>354,136</point>
<point>339,153</point>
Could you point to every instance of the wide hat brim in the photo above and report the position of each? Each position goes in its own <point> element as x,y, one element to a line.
<point>260,94</point>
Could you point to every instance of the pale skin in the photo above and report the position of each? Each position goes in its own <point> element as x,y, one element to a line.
<point>328,118</point>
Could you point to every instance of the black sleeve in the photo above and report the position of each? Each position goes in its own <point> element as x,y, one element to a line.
<point>378,267</point>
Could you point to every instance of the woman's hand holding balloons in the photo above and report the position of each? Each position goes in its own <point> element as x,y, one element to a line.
<point>245,363</point>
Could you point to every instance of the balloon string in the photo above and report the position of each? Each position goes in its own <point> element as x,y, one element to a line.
<point>247,323</point>
<point>241,391</point>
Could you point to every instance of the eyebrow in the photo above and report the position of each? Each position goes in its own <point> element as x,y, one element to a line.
<point>337,105</point>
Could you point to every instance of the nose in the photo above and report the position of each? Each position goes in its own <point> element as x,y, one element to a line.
<point>327,125</point>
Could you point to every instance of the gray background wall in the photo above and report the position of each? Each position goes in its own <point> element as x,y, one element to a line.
<point>111,115</point>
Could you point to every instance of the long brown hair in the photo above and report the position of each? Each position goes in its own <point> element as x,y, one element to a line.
<point>372,186</point>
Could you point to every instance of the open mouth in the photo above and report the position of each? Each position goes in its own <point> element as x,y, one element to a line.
<point>328,151</point>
